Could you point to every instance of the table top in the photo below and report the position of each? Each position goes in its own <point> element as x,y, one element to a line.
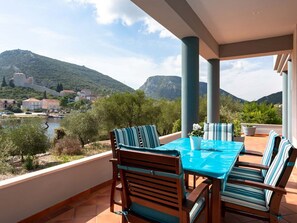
<point>215,158</point>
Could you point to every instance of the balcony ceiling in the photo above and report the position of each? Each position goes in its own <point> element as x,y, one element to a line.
<point>219,23</point>
<point>232,21</point>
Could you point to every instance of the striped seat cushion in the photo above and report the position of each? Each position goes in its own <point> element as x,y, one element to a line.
<point>127,136</point>
<point>219,131</point>
<point>149,136</point>
<point>246,196</point>
<point>266,159</point>
<point>277,167</point>
<point>255,174</point>
<point>246,174</point>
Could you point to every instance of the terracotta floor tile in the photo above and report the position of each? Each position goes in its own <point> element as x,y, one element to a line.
<point>86,211</point>
<point>291,218</point>
<point>85,220</point>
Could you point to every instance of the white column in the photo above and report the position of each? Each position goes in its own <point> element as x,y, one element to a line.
<point>285,105</point>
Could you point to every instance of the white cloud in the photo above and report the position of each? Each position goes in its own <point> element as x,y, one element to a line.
<point>250,80</point>
<point>126,12</point>
<point>47,34</point>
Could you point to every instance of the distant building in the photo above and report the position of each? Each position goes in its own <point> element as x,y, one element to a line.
<point>50,104</point>
<point>31,104</point>
<point>5,103</point>
<point>85,94</point>
<point>67,92</point>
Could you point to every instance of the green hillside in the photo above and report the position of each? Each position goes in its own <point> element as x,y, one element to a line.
<point>275,98</point>
<point>49,72</point>
<point>169,87</point>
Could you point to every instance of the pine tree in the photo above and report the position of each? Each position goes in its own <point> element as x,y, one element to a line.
<point>11,83</point>
<point>44,95</point>
<point>4,84</point>
<point>59,87</point>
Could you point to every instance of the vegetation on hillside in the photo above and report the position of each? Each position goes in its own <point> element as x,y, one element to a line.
<point>50,72</point>
<point>89,124</point>
<point>21,93</point>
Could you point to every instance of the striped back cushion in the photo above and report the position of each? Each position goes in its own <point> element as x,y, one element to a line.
<point>266,159</point>
<point>149,136</point>
<point>219,131</point>
<point>127,136</point>
<point>277,167</point>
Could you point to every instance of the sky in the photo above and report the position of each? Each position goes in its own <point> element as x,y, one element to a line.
<point>118,39</point>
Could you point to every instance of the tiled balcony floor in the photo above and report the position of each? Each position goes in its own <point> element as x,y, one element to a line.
<point>95,208</point>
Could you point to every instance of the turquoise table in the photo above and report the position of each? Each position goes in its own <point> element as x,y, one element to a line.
<point>214,160</point>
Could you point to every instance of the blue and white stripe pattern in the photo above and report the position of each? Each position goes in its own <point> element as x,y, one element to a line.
<point>149,136</point>
<point>277,167</point>
<point>246,196</point>
<point>219,131</point>
<point>257,198</point>
<point>255,174</point>
<point>246,174</point>
<point>266,159</point>
<point>127,136</point>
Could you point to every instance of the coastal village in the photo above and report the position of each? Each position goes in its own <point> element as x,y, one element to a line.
<point>45,105</point>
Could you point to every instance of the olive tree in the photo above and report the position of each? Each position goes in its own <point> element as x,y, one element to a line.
<point>29,138</point>
<point>81,125</point>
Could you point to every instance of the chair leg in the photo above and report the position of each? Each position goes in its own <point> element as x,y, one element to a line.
<point>112,194</point>
<point>273,219</point>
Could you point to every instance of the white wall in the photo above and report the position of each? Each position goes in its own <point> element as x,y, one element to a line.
<point>26,195</point>
<point>264,128</point>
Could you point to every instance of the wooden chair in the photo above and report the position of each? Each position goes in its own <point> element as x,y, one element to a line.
<point>153,188</point>
<point>218,131</point>
<point>149,136</point>
<point>254,171</point>
<point>141,136</point>
<point>262,200</point>
<point>129,136</point>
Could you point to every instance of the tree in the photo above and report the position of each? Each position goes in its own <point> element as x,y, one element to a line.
<point>4,84</point>
<point>170,112</point>
<point>59,87</point>
<point>11,83</point>
<point>126,109</point>
<point>81,125</point>
<point>44,95</point>
<point>260,113</point>
<point>29,138</point>
<point>64,101</point>
<point>5,147</point>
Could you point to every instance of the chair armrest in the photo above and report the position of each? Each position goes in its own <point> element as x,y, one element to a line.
<point>258,185</point>
<point>252,165</point>
<point>251,153</point>
<point>195,195</point>
<point>113,160</point>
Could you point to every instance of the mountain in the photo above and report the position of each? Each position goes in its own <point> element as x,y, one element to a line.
<point>169,87</point>
<point>49,72</point>
<point>275,98</point>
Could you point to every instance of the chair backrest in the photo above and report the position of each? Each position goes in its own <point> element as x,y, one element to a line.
<point>127,136</point>
<point>270,150</point>
<point>149,136</point>
<point>152,183</point>
<point>219,131</point>
<point>280,169</point>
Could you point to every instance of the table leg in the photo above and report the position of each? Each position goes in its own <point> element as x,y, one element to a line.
<point>215,211</point>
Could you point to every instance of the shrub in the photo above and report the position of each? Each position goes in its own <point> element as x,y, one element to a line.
<point>28,137</point>
<point>31,163</point>
<point>68,145</point>
<point>5,147</point>
<point>59,134</point>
